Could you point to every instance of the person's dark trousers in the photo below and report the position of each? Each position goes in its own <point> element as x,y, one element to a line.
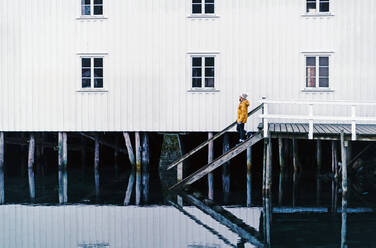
<point>240,129</point>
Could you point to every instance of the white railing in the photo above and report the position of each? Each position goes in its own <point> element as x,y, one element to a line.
<point>311,118</point>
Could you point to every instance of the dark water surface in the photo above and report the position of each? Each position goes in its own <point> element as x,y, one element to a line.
<point>81,207</point>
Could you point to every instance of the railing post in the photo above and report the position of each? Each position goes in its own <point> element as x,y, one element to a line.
<point>265,120</point>
<point>353,124</point>
<point>310,131</point>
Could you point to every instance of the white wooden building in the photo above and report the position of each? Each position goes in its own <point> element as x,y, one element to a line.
<point>127,65</point>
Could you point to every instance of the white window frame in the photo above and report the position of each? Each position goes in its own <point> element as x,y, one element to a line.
<point>317,11</point>
<point>189,68</point>
<point>92,16</point>
<point>79,74</point>
<point>331,69</point>
<point>202,14</point>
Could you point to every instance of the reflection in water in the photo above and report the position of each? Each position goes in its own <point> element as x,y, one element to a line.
<point>63,186</point>
<point>31,184</point>
<point>280,187</point>
<point>267,218</point>
<point>344,221</point>
<point>96,181</point>
<point>128,193</point>
<point>138,186</point>
<point>318,189</point>
<point>2,198</point>
<point>145,186</point>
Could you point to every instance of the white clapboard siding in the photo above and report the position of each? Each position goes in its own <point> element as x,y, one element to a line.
<point>146,71</point>
<point>80,225</point>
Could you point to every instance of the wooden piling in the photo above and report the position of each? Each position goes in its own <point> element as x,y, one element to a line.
<point>295,157</point>
<point>145,160</point>
<point>210,175</point>
<point>268,167</point>
<point>2,190</point>
<point>138,167</point>
<point>264,166</point>
<point>31,183</point>
<point>249,176</point>
<point>60,149</point>
<point>31,151</point>
<point>2,144</point>
<point>128,144</point>
<point>226,169</point>
<point>97,184</point>
<point>65,150</point>
<point>334,159</point>
<point>63,186</point>
<point>96,153</point>
<point>281,155</point>
<point>318,156</point>
<point>344,146</point>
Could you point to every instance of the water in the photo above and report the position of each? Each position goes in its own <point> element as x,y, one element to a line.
<point>81,207</point>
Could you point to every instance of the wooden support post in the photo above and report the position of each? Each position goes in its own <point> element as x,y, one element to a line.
<point>249,176</point>
<point>269,167</point>
<point>180,169</point>
<point>295,157</point>
<point>129,149</point>
<point>2,144</point>
<point>344,158</point>
<point>226,169</point>
<point>281,155</point>
<point>318,156</point>
<point>264,166</point>
<point>60,149</point>
<point>138,167</point>
<point>210,175</point>
<point>96,153</point>
<point>31,151</point>
<point>63,186</point>
<point>2,190</point>
<point>97,184</point>
<point>145,160</point>
<point>334,159</point>
<point>65,150</point>
<point>31,183</point>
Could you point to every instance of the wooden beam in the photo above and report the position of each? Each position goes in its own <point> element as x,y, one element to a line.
<point>31,180</point>
<point>281,155</point>
<point>138,167</point>
<point>104,143</point>
<point>31,151</point>
<point>318,156</point>
<point>268,174</point>
<point>219,161</point>
<point>96,153</point>
<point>2,190</point>
<point>129,149</point>
<point>65,150</point>
<point>145,160</point>
<point>344,146</point>
<point>225,168</point>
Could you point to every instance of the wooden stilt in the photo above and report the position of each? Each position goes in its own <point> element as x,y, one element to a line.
<point>31,184</point>
<point>138,168</point>
<point>2,144</point>
<point>96,153</point>
<point>145,160</point>
<point>334,159</point>
<point>280,188</point>
<point>344,158</point>
<point>129,149</point>
<point>210,175</point>
<point>63,186</point>
<point>294,184</point>
<point>318,156</point>
<point>65,150</point>
<point>264,166</point>
<point>60,150</point>
<point>249,176</point>
<point>318,189</point>
<point>97,184</point>
<point>295,158</point>
<point>226,169</point>
<point>31,151</point>
<point>2,195</point>
<point>269,167</point>
<point>281,155</point>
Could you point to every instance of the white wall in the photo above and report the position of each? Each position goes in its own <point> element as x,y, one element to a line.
<point>260,45</point>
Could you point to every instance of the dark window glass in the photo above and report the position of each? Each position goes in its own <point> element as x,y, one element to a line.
<point>86,73</point>
<point>209,61</point>
<point>86,62</point>
<point>209,8</point>
<point>324,61</point>
<point>98,1</point>
<point>196,72</point>
<point>85,10</point>
<point>85,83</point>
<point>196,61</point>
<point>87,2</point>
<point>209,72</point>
<point>98,10</point>
<point>311,76</point>
<point>196,82</point>
<point>98,83</point>
<point>98,62</point>
<point>311,6</point>
<point>324,6</point>
<point>311,61</point>
<point>209,1</point>
<point>324,71</point>
<point>98,72</point>
<point>196,1</point>
<point>209,82</point>
<point>196,9</point>
<point>324,82</point>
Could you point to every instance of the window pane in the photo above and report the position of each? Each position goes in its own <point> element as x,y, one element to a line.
<point>98,72</point>
<point>209,82</point>
<point>196,9</point>
<point>324,82</point>
<point>98,10</point>
<point>311,61</point>
<point>86,62</point>
<point>311,6</point>
<point>196,1</point>
<point>324,61</point>
<point>209,1</point>
<point>324,7</point>
<point>98,83</point>
<point>85,10</point>
<point>196,82</point>
<point>98,62</point>
<point>209,61</point>
<point>86,73</point>
<point>209,72</point>
<point>209,8</point>
<point>196,61</point>
<point>85,83</point>
<point>98,1</point>
<point>324,72</point>
<point>87,2</point>
<point>196,72</point>
<point>311,77</point>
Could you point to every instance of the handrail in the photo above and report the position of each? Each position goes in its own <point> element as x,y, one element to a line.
<point>194,150</point>
<point>329,102</point>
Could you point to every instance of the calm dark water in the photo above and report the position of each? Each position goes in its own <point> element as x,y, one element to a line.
<point>81,207</point>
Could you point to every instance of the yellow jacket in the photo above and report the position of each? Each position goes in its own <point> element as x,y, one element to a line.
<point>243,111</point>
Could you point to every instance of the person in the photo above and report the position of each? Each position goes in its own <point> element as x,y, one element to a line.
<point>242,116</point>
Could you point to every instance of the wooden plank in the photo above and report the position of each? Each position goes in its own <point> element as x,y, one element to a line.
<point>369,129</point>
<point>325,128</point>
<point>194,150</point>
<point>346,128</point>
<point>227,219</point>
<point>332,129</point>
<point>218,162</point>
<point>316,130</point>
<point>360,129</point>
<point>305,128</point>
<point>289,128</point>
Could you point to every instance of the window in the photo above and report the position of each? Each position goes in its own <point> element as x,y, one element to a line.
<point>91,7</point>
<point>317,71</point>
<point>317,6</point>
<point>203,72</point>
<point>202,6</point>
<point>92,72</point>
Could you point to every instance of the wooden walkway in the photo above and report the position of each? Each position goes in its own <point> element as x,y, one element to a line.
<point>322,131</point>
